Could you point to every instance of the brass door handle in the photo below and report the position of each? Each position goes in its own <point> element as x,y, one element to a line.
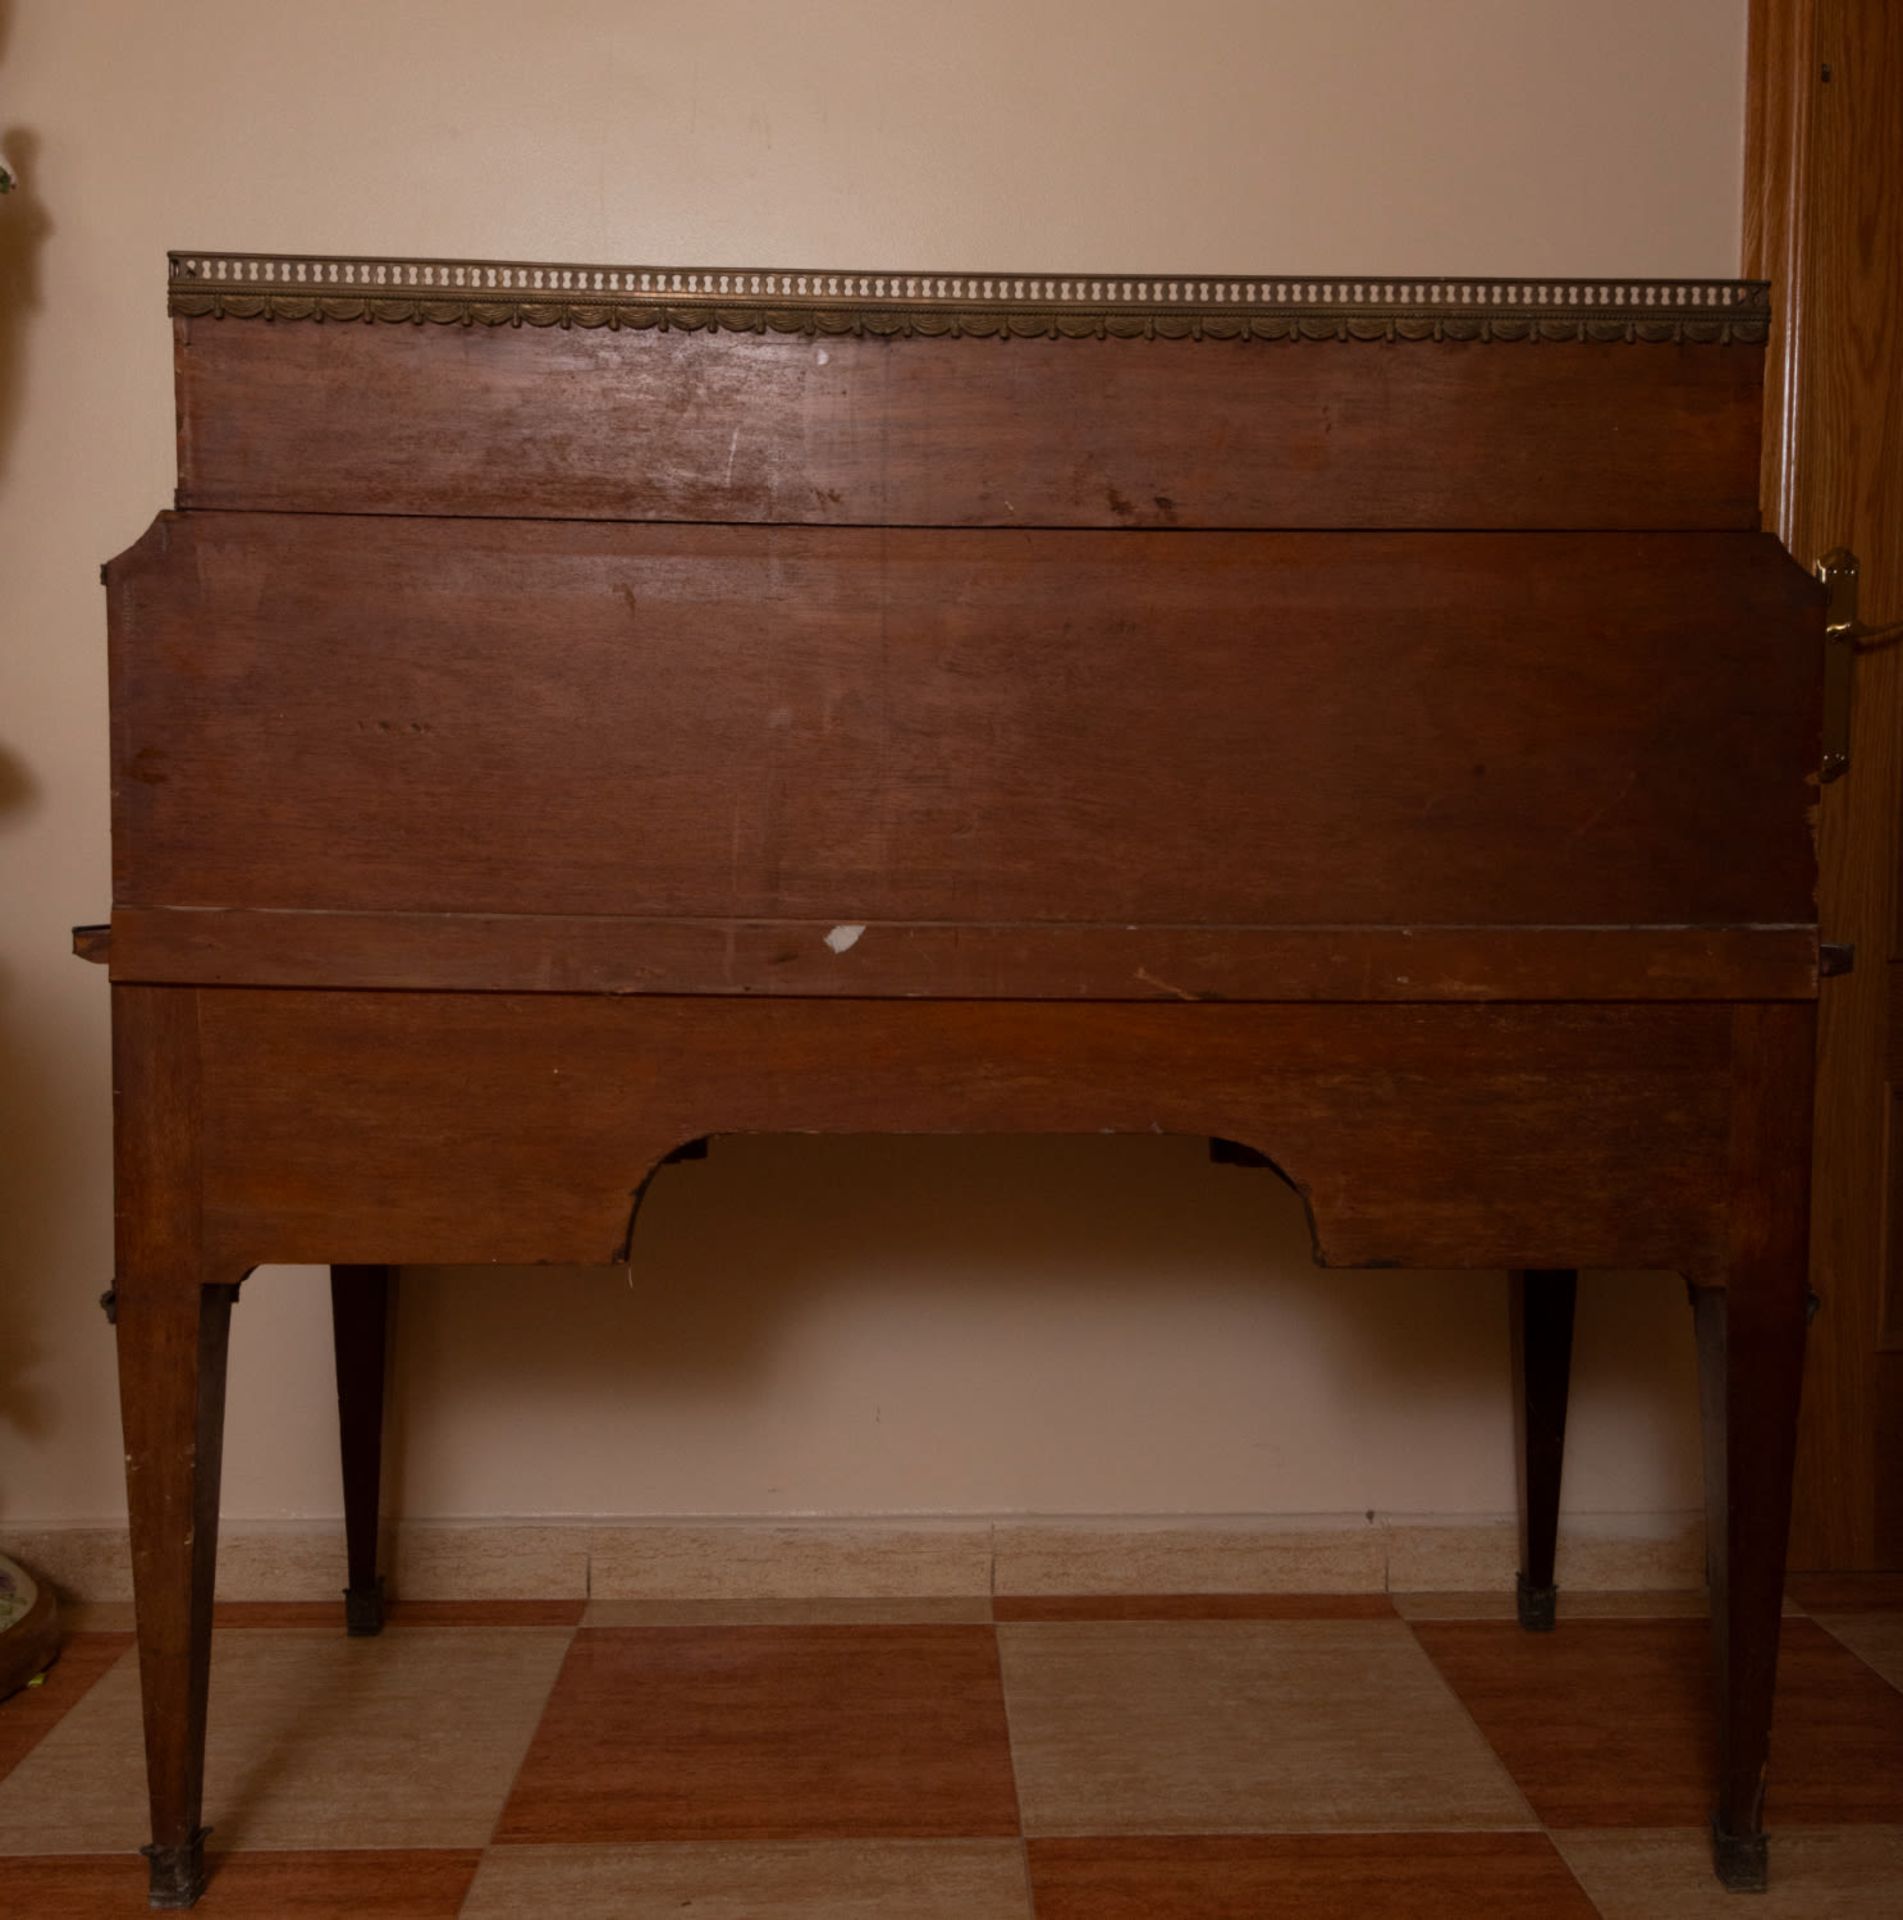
<point>1845,636</point>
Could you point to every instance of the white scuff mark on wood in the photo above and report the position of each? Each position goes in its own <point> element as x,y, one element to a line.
<point>1165,986</point>
<point>733,447</point>
<point>844,939</point>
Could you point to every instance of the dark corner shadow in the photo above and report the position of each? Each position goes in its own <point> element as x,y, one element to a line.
<point>25,224</point>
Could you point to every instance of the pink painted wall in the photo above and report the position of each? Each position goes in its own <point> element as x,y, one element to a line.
<point>1101,1326</point>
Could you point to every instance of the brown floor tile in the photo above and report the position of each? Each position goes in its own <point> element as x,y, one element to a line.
<point>789,1879</point>
<point>316,1741</point>
<point>1193,1606</point>
<point>1334,1876</point>
<point>1843,1873</point>
<point>769,1733</point>
<point>1846,1592</point>
<point>1691,1604</point>
<point>1875,1638</point>
<point>1241,1726</point>
<point>402,1613</point>
<point>251,1886</point>
<point>1609,1723</point>
<point>28,1716</point>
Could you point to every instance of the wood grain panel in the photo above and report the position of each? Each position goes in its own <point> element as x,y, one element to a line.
<point>1826,185</point>
<point>850,726</point>
<point>409,1127</point>
<point>1101,433</point>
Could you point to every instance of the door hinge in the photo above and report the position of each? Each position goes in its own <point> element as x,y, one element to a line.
<point>1835,959</point>
<point>1838,571</point>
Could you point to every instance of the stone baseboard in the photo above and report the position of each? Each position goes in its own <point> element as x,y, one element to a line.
<point>730,1559</point>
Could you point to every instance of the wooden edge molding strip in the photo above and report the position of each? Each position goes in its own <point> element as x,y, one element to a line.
<point>532,953</point>
<point>1012,306</point>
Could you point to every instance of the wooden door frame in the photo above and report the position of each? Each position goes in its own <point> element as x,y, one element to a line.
<point>1823,220</point>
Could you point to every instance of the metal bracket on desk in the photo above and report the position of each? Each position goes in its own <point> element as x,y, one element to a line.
<point>1838,571</point>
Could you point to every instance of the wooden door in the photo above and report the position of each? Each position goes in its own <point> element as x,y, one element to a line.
<point>1824,222</point>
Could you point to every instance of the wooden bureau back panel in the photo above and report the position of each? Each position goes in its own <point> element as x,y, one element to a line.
<point>452,1127</point>
<point>1208,729</point>
<point>660,425</point>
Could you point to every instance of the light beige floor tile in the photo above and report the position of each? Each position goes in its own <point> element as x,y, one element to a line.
<point>1242,1727</point>
<point>409,1740</point>
<point>792,1880</point>
<point>708,1561</point>
<point>1838,1873</point>
<point>1036,1557</point>
<point>1873,1637</point>
<point>971,1611</point>
<point>1679,1605</point>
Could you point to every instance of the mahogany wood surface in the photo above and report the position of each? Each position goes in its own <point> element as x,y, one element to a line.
<point>1215,730</point>
<point>173,1319</point>
<point>625,953</point>
<point>1540,1337</point>
<point>1751,1366</point>
<point>1099,433</point>
<point>1393,755</point>
<point>1824,217</point>
<point>458,1128</point>
<point>361,1307</point>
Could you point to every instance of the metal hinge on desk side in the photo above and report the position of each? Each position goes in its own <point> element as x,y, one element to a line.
<point>1838,571</point>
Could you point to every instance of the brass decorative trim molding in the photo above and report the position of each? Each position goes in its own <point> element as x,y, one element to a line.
<point>1029,306</point>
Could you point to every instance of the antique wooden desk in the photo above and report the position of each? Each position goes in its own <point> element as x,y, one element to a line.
<point>574,712</point>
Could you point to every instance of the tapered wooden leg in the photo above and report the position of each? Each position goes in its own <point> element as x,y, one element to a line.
<point>1751,1359</point>
<point>1542,1335</point>
<point>172,1342</point>
<point>1750,1355</point>
<point>173,1318</point>
<point>360,1321</point>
